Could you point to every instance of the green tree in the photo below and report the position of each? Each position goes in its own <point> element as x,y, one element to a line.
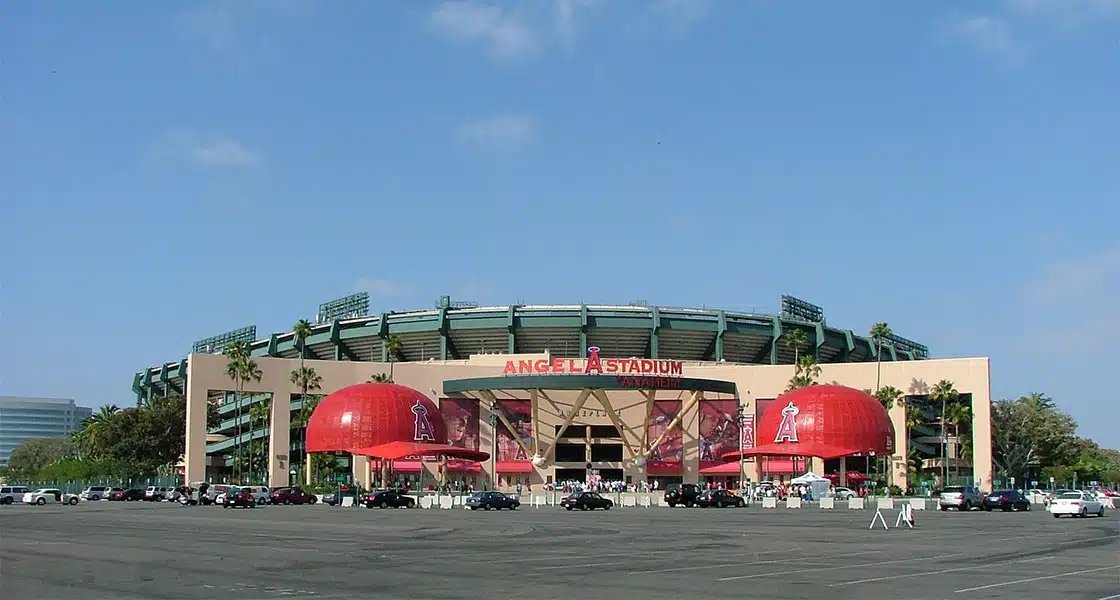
<point>32,455</point>
<point>394,348</point>
<point>957,414</point>
<point>944,392</point>
<point>260,415</point>
<point>805,373</point>
<point>880,332</point>
<point>306,379</point>
<point>1031,431</point>
<point>380,378</point>
<point>240,368</point>
<point>796,340</point>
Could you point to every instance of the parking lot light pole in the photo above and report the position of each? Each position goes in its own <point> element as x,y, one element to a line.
<point>493,446</point>
<point>739,417</point>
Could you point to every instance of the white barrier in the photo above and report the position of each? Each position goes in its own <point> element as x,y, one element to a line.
<point>884,503</point>
<point>855,503</point>
<point>538,501</point>
<point>426,501</point>
<point>793,502</point>
<point>828,503</point>
<point>917,504</point>
<point>769,502</point>
<point>629,501</point>
<point>348,501</point>
<point>646,502</point>
<point>1109,502</point>
<point>446,502</point>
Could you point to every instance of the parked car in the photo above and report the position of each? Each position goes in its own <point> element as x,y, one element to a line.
<point>1006,500</point>
<point>158,493</point>
<point>292,495</point>
<point>682,494</point>
<point>49,496</point>
<point>260,493</point>
<point>239,497</point>
<point>843,493</point>
<point>719,499</point>
<point>587,501</point>
<point>963,498</point>
<point>387,498</point>
<point>132,495</point>
<point>495,500</point>
<point>12,494</point>
<point>95,493</point>
<point>335,498</point>
<point>1076,503</point>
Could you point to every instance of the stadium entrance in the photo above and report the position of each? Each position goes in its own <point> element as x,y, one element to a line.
<point>568,424</point>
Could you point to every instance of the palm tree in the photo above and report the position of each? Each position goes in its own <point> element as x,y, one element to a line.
<point>805,373</point>
<point>888,396</point>
<point>394,348</point>
<point>301,331</point>
<point>259,416</point>
<point>241,368</point>
<point>380,378</point>
<point>796,340</point>
<point>879,333</point>
<point>957,414</point>
<point>944,392</point>
<point>306,379</point>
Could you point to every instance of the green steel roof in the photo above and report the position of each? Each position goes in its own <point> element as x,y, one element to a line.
<point>689,334</point>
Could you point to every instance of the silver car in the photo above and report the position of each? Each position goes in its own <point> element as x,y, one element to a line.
<point>960,497</point>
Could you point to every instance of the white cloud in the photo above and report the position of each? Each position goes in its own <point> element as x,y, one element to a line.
<point>1079,281</point>
<point>989,34</point>
<point>502,131</point>
<point>504,34</point>
<point>382,288</point>
<point>222,25</point>
<point>212,151</point>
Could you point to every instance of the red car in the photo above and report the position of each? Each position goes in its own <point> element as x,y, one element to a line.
<point>292,495</point>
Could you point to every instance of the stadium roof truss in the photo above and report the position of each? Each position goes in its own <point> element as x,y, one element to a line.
<point>565,331</point>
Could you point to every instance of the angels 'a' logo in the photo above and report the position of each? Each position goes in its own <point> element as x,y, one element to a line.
<point>787,429</point>
<point>594,363</point>
<point>423,431</point>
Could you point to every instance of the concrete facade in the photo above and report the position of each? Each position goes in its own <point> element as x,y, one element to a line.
<point>206,372</point>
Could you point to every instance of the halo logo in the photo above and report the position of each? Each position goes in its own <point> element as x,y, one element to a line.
<point>423,427</point>
<point>593,361</point>
<point>787,429</point>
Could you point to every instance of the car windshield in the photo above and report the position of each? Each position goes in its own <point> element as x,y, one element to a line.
<point>1071,496</point>
<point>953,490</point>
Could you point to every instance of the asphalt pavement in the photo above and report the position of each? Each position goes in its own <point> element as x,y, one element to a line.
<point>127,551</point>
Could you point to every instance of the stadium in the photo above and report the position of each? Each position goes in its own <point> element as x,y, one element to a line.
<point>566,392</point>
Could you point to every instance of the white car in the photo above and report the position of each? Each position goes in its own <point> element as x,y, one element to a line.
<point>1076,503</point>
<point>843,493</point>
<point>95,493</point>
<point>49,496</point>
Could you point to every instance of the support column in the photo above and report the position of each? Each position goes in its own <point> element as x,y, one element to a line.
<point>279,442</point>
<point>843,471</point>
<point>194,453</point>
<point>982,436</point>
<point>899,460</point>
<point>360,469</point>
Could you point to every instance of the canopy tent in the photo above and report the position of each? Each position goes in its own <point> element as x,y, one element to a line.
<point>817,485</point>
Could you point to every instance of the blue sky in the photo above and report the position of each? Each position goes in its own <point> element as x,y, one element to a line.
<point>175,170</point>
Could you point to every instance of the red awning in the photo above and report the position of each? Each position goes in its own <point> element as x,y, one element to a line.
<point>395,450</point>
<point>514,466</point>
<point>406,466</point>
<point>731,468</point>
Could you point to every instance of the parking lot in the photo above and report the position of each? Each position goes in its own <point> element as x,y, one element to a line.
<point>139,550</point>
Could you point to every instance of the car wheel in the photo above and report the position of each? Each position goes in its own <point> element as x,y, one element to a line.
<point>473,507</point>
<point>967,506</point>
<point>608,506</point>
<point>1084,512</point>
<point>585,507</point>
<point>672,505</point>
<point>312,500</point>
<point>72,501</point>
<point>1100,511</point>
<point>1056,515</point>
<point>94,498</point>
<point>720,504</point>
<point>741,503</point>
<point>568,507</point>
<point>514,507</point>
<point>41,501</point>
<point>287,501</point>
<point>410,504</point>
<point>944,508</point>
<point>485,507</point>
<point>383,504</point>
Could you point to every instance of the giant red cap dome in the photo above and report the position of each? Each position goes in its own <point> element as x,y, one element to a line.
<point>384,420</point>
<point>825,421</point>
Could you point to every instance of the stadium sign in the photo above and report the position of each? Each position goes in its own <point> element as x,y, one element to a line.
<point>594,365</point>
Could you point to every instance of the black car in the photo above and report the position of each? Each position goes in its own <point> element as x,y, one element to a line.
<point>387,498</point>
<point>243,498</point>
<point>719,499</point>
<point>586,501</point>
<point>685,494</point>
<point>495,500</point>
<point>1006,500</point>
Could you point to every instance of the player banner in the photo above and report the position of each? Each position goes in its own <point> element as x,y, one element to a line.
<point>719,433</point>
<point>668,456</point>
<point>520,415</point>
<point>460,416</point>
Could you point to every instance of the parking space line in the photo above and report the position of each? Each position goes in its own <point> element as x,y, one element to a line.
<point>1110,597</point>
<point>638,557</point>
<point>942,571</point>
<point>817,569</point>
<point>741,564</point>
<point>1018,581</point>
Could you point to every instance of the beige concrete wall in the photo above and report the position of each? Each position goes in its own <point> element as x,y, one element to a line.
<point>206,372</point>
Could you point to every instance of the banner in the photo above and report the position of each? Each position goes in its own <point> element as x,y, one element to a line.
<point>668,456</point>
<point>460,416</point>
<point>520,415</point>
<point>719,433</point>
